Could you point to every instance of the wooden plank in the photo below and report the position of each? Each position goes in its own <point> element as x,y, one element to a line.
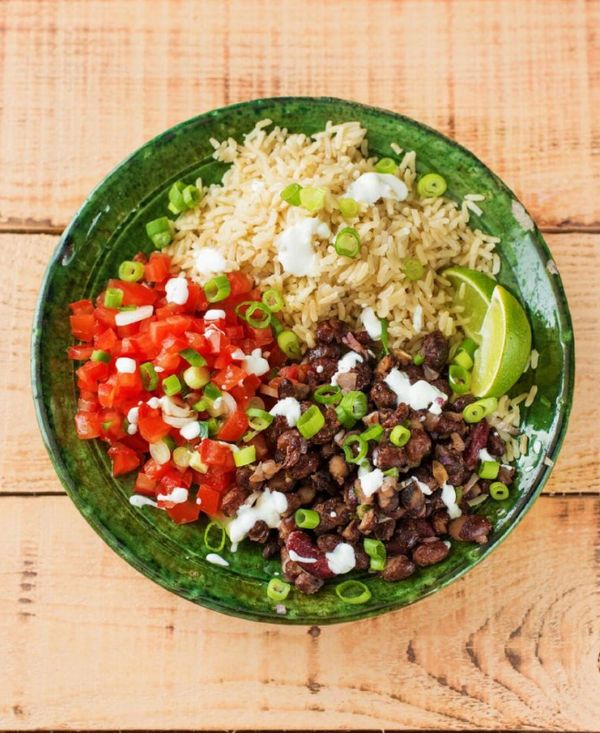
<point>88,81</point>
<point>514,645</point>
<point>578,469</point>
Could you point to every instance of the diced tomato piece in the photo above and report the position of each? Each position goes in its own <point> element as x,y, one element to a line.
<point>145,347</point>
<point>129,385</point>
<point>168,361</point>
<point>82,326</point>
<point>234,427</point>
<point>196,298</point>
<point>123,459</point>
<point>235,333</point>
<point>134,293</point>
<point>90,374</point>
<point>217,341</point>
<point>289,372</point>
<point>218,480</point>
<point>210,500</point>
<point>240,283</point>
<point>112,425</point>
<point>136,443</point>
<point>80,353</point>
<point>157,268</point>
<point>184,513</point>
<point>173,478</point>
<point>107,340</point>
<point>151,425</point>
<point>81,306</point>
<point>229,377</point>
<point>88,401</point>
<point>107,392</point>
<point>155,471</point>
<point>87,425</point>
<point>105,315</point>
<point>198,342</point>
<point>145,485</point>
<point>260,336</point>
<point>276,356</point>
<point>213,453</point>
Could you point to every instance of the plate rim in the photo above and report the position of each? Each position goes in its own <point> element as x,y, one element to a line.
<point>124,552</point>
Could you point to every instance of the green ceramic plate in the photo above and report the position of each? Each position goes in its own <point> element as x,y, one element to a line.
<point>109,227</point>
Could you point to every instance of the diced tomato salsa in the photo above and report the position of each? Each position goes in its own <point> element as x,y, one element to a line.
<point>137,393</point>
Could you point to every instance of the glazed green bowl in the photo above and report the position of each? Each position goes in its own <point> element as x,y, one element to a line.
<point>109,227</point>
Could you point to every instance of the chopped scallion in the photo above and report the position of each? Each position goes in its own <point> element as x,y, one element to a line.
<point>431,185</point>
<point>375,549</point>
<point>355,448</point>
<point>290,345</point>
<point>291,194</point>
<point>413,269</point>
<point>259,419</point>
<point>113,298</point>
<point>348,207</point>
<point>386,165</point>
<point>353,592</point>
<point>278,590</point>
<point>99,355</point>
<point>214,537</point>
<point>399,436</point>
<point>244,456</point>
<point>459,379</point>
<point>217,289</point>
<point>160,232</point>
<point>149,376</point>
<point>131,271</point>
<point>312,198</point>
<point>499,491</point>
<point>489,470</point>
<point>347,242</point>
<point>307,518</point>
<point>327,394</point>
<point>310,422</point>
<point>273,300</point>
<point>171,385</point>
<point>192,357</point>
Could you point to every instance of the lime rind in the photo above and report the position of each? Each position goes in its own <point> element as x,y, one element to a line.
<point>476,298</point>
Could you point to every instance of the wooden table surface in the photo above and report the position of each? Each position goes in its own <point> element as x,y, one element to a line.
<point>86,642</point>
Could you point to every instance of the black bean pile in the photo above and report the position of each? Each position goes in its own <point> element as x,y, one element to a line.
<point>314,474</point>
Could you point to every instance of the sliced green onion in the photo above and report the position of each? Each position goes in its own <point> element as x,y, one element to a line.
<point>489,470</point>
<point>291,194</point>
<point>149,376</point>
<point>217,289</point>
<point>386,165</point>
<point>276,325</point>
<point>469,346</point>
<point>182,197</point>
<point>459,379</point>
<point>273,300</point>
<point>431,185</point>
<point>310,422</point>
<point>250,435</point>
<point>353,591</point>
<point>278,590</point>
<point>307,518</point>
<point>327,394</point>
<point>131,271</point>
<point>213,426</point>
<point>418,359</point>
<point>244,456</point>
<point>196,377</point>
<point>182,456</point>
<point>385,339</point>
<point>392,472</point>
<point>192,357</point>
<point>413,269</point>
<point>214,537</point>
<point>312,198</point>
<point>348,208</point>
<point>249,308</point>
<point>99,355</point>
<point>348,448</point>
<point>476,411</point>
<point>259,419</point>
<point>204,428</point>
<point>400,436</point>
<point>171,385</point>
<point>346,420</point>
<point>477,501</point>
<point>463,360</point>
<point>347,242</point>
<point>373,433</point>
<point>375,549</point>
<point>354,403</point>
<point>499,491</point>
<point>212,392</point>
<point>196,463</point>
<point>160,232</point>
<point>191,196</point>
<point>113,298</point>
<point>290,345</point>
<point>201,405</point>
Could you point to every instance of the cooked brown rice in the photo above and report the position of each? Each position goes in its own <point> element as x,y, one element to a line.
<point>243,216</point>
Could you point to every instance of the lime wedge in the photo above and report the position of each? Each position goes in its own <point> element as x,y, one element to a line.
<point>505,346</point>
<point>474,297</point>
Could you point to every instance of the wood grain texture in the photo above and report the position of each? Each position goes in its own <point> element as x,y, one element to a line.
<point>578,469</point>
<point>87,81</point>
<point>87,642</point>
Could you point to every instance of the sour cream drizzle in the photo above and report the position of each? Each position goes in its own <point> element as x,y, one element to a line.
<point>370,187</point>
<point>420,396</point>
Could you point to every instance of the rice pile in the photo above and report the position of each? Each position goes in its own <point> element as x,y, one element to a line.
<point>244,215</point>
